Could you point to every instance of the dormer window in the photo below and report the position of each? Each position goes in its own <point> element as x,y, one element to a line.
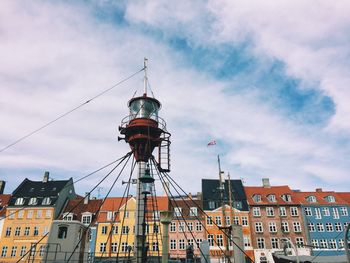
<point>286,198</point>
<point>271,198</point>
<point>19,201</point>
<point>46,201</point>
<point>311,199</point>
<point>330,199</point>
<point>33,201</point>
<point>257,198</point>
<point>86,219</point>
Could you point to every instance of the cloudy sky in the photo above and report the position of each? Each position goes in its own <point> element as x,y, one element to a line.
<point>268,80</point>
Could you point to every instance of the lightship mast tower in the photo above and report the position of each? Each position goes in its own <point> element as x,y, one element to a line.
<point>144,131</point>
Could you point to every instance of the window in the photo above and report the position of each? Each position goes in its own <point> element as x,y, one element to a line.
<point>211,205</point>
<point>335,213</point>
<point>102,247</point>
<point>329,227</point>
<point>172,244</point>
<point>126,214</point>
<point>39,213</point>
<point>86,219</point>
<point>172,227</point>
<point>46,230</point>
<point>46,201</point>
<point>257,198</point>
<point>246,241</point>
<point>314,243</point>
<point>211,240</point>
<point>258,227</point>
<point>19,201</point>
<point>155,229</point>
<point>338,227</point>
<point>274,243</point>
<point>11,214</point>
<point>308,211</point>
<point>199,241</point>
<point>20,213</point>
<point>287,197</point>
<point>182,244</point>
<point>190,226</point>
<point>115,230</point>
<point>271,198</point>
<point>125,247</point>
<point>218,220</point>
<point>125,229</point>
<point>17,231</point>
<point>33,201</point>
<point>270,211</point>
<point>23,251</point>
<point>283,211</point>
<point>220,240</point>
<point>284,226</point>
<point>244,221</point>
<point>67,216</point>
<point>109,215</point>
<point>343,211</point>
<point>299,241</point>
<point>181,226</point>
<point>41,251</point>
<point>26,231</point>
<point>13,251</point>
<point>297,227</point>
<point>332,244</point>
<point>227,220</point>
<point>199,227</point>
<point>272,227</point>
<point>193,211</point>
<point>325,211</point>
<point>4,251</point>
<point>319,227</point>
<point>323,243</point>
<point>293,211</point>
<point>330,199</point>
<point>236,220</point>
<point>317,213</point>
<point>261,242</point>
<point>114,247</point>
<point>209,220</point>
<point>155,246</point>
<point>311,199</point>
<point>341,243</point>
<point>177,211</point>
<point>104,230</point>
<point>256,211</point>
<point>311,227</point>
<point>8,232</point>
<point>62,232</point>
<point>48,214</point>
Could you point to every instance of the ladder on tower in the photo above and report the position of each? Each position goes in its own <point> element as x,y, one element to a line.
<point>164,153</point>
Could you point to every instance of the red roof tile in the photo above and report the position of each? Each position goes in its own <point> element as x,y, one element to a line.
<point>320,197</point>
<point>4,199</point>
<point>77,207</point>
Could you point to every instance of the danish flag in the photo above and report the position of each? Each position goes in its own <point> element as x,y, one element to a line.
<point>211,143</point>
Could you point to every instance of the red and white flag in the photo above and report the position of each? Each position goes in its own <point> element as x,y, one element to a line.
<point>211,143</point>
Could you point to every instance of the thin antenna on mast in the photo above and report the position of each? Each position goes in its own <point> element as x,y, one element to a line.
<point>145,80</point>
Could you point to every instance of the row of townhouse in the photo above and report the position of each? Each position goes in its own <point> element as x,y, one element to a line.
<point>48,217</point>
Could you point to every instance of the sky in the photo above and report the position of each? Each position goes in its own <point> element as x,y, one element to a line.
<point>267,80</point>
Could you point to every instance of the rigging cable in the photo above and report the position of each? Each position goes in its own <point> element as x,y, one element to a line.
<point>68,112</point>
<point>104,200</point>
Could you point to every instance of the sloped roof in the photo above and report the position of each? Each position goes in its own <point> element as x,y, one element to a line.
<point>320,198</point>
<point>264,192</point>
<point>77,207</point>
<point>345,196</point>
<point>4,200</point>
<point>39,189</point>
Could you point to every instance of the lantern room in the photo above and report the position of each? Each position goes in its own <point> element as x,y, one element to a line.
<point>144,107</point>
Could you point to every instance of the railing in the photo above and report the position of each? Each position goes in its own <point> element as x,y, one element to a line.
<point>161,122</point>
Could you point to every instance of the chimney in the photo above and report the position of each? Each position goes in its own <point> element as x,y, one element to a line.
<point>46,177</point>
<point>2,186</point>
<point>318,190</point>
<point>266,182</point>
<point>190,195</point>
<point>86,198</point>
<point>199,195</point>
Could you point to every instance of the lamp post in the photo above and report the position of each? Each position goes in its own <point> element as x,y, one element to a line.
<point>165,219</point>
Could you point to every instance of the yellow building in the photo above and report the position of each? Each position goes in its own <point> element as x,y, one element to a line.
<point>32,208</point>
<point>115,235</point>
